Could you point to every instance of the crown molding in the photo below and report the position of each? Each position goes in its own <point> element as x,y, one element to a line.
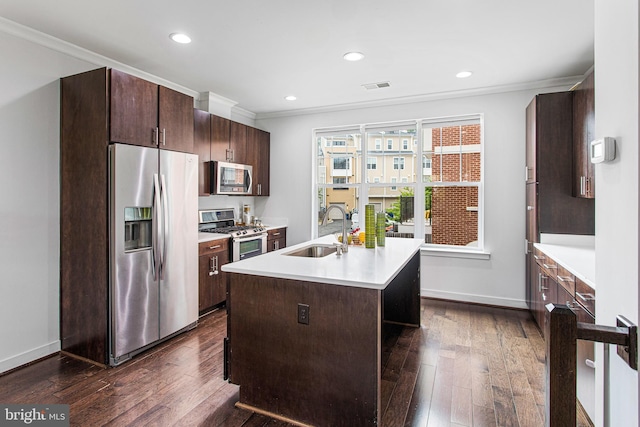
<point>244,113</point>
<point>58,45</point>
<point>563,83</point>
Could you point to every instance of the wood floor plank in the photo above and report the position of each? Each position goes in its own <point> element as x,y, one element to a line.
<point>504,406</point>
<point>461,406</point>
<point>398,407</point>
<point>440,410</point>
<point>418,412</point>
<point>484,416</point>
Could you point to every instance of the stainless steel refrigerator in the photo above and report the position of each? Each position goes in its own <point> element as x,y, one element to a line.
<point>153,247</point>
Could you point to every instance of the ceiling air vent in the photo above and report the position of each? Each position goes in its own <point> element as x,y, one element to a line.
<point>378,85</point>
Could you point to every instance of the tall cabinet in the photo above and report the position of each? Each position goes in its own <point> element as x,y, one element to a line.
<point>550,205</point>
<point>99,107</point>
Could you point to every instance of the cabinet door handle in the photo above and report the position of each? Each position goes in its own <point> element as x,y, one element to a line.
<point>585,297</point>
<point>154,137</point>
<point>565,279</point>
<point>550,267</point>
<point>164,136</point>
<point>215,247</point>
<point>276,245</point>
<point>275,234</point>
<point>542,277</point>
<point>529,208</point>
<point>538,258</point>
<point>213,266</point>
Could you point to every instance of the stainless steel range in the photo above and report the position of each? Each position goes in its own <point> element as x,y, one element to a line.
<point>248,240</point>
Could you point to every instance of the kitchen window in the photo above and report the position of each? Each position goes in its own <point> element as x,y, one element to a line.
<point>432,187</point>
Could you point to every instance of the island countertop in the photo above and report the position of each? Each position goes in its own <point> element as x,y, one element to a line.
<point>359,267</point>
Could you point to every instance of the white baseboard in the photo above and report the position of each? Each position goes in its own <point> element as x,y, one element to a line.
<point>471,298</point>
<point>29,356</point>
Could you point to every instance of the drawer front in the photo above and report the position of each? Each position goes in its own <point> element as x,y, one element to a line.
<point>278,233</point>
<point>211,246</point>
<point>586,296</point>
<point>546,262</point>
<point>539,256</point>
<point>548,265</point>
<point>566,279</point>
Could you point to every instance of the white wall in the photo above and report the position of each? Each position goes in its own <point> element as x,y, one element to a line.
<point>30,208</point>
<point>617,111</point>
<point>499,280</point>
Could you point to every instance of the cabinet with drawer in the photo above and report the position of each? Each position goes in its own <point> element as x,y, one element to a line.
<point>557,284</point>
<point>212,281</point>
<point>276,239</point>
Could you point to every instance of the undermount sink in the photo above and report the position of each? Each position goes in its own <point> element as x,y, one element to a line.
<point>313,251</point>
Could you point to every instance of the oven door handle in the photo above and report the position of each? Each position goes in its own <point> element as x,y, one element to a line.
<point>251,237</point>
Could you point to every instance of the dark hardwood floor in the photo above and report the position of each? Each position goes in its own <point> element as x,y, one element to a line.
<point>467,365</point>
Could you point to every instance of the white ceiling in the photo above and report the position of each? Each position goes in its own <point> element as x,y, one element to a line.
<point>255,52</point>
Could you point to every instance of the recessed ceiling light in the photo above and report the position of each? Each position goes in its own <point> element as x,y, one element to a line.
<point>180,38</point>
<point>463,74</point>
<point>290,98</point>
<point>353,56</point>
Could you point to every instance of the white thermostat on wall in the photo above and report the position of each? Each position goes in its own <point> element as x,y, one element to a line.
<point>602,150</point>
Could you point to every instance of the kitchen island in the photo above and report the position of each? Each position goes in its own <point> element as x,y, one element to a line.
<point>305,334</point>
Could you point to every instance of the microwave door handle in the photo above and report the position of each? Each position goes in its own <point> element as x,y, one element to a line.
<point>247,174</point>
<point>156,221</point>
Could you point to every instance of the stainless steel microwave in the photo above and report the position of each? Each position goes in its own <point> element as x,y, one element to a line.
<point>231,178</point>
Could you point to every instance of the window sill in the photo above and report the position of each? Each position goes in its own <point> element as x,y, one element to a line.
<point>455,253</point>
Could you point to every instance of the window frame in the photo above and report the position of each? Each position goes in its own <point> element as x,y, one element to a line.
<point>362,187</point>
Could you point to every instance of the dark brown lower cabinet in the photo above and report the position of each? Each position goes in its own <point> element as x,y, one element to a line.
<point>276,239</point>
<point>212,281</point>
<point>321,367</point>
<point>551,282</point>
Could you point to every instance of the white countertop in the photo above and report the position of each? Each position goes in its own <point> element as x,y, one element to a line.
<point>579,260</point>
<point>207,237</point>
<point>360,267</point>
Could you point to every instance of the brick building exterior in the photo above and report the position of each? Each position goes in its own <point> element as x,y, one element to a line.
<point>456,158</point>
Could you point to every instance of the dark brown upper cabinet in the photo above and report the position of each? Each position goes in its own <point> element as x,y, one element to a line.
<point>220,134</point>
<point>228,140</point>
<point>549,145</point>
<point>258,149</point>
<point>146,114</point>
<point>238,143</point>
<point>583,133</point>
<point>235,143</point>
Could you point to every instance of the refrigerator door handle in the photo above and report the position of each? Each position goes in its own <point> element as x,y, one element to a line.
<point>165,224</point>
<point>156,220</point>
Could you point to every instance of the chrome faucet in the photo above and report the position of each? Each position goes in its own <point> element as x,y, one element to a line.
<point>345,242</point>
